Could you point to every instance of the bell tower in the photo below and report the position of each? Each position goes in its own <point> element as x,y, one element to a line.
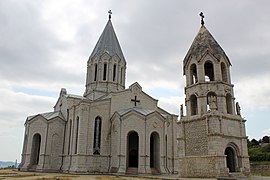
<point>106,67</point>
<point>212,136</point>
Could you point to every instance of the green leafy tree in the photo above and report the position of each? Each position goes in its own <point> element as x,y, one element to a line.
<point>254,143</point>
<point>265,139</point>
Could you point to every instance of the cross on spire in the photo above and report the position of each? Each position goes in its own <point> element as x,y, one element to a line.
<point>110,14</point>
<point>135,101</point>
<point>202,16</point>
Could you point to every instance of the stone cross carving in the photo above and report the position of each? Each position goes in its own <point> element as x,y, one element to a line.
<point>238,109</point>
<point>212,103</point>
<point>135,101</point>
<point>202,16</point>
<point>110,14</point>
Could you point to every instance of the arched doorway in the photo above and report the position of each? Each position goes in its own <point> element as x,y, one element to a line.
<point>230,159</point>
<point>154,152</point>
<point>133,149</point>
<point>35,151</point>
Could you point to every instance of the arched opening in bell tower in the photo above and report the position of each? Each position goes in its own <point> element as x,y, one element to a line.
<point>193,105</point>
<point>224,72</point>
<point>209,71</point>
<point>193,74</point>
<point>229,103</point>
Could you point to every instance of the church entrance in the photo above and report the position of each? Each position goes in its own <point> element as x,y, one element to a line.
<point>133,149</point>
<point>154,152</point>
<point>230,159</point>
<point>35,151</point>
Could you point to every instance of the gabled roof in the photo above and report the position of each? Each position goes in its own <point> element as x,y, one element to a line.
<point>204,42</point>
<point>142,111</point>
<point>48,115</point>
<point>108,43</point>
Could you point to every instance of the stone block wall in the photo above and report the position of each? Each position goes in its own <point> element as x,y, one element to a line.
<point>202,166</point>
<point>196,137</point>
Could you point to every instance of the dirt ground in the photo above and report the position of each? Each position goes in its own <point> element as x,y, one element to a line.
<point>15,174</point>
<point>18,175</point>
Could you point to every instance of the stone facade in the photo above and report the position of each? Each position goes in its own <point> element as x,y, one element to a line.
<point>113,129</point>
<point>108,130</point>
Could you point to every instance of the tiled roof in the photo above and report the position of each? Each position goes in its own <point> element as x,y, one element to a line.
<point>108,43</point>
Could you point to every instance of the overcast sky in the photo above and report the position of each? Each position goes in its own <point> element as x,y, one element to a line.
<point>45,45</point>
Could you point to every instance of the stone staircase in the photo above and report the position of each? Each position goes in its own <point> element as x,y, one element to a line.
<point>132,171</point>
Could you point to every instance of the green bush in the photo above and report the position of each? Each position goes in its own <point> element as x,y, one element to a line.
<point>259,153</point>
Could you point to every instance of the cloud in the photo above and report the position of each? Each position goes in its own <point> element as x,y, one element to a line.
<point>253,92</point>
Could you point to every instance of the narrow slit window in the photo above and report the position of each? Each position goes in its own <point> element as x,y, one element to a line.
<point>70,128</point>
<point>95,73</point>
<point>114,72</point>
<point>121,77</point>
<point>97,136</point>
<point>77,135</point>
<point>105,72</point>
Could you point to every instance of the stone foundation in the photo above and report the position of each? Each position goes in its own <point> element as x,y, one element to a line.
<point>203,166</point>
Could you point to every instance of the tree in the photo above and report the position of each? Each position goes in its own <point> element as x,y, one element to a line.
<point>254,143</point>
<point>265,139</point>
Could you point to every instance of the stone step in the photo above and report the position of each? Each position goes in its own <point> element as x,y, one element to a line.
<point>132,170</point>
<point>233,176</point>
<point>154,171</point>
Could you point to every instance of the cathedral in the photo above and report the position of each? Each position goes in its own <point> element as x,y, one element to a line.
<point>117,130</point>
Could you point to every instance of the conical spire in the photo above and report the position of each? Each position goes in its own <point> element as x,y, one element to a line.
<point>204,42</point>
<point>106,67</point>
<point>108,43</point>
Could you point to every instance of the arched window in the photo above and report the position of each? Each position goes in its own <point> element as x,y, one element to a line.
<point>114,72</point>
<point>229,103</point>
<point>104,71</point>
<point>95,72</point>
<point>209,71</point>
<point>193,105</point>
<point>224,72</point>
<point>77,135</point>
<point>212,101</point>
<point>193,74</point>
<point>97,136</point>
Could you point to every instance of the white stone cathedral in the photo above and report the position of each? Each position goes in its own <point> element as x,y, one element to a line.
<point>111,129</point>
